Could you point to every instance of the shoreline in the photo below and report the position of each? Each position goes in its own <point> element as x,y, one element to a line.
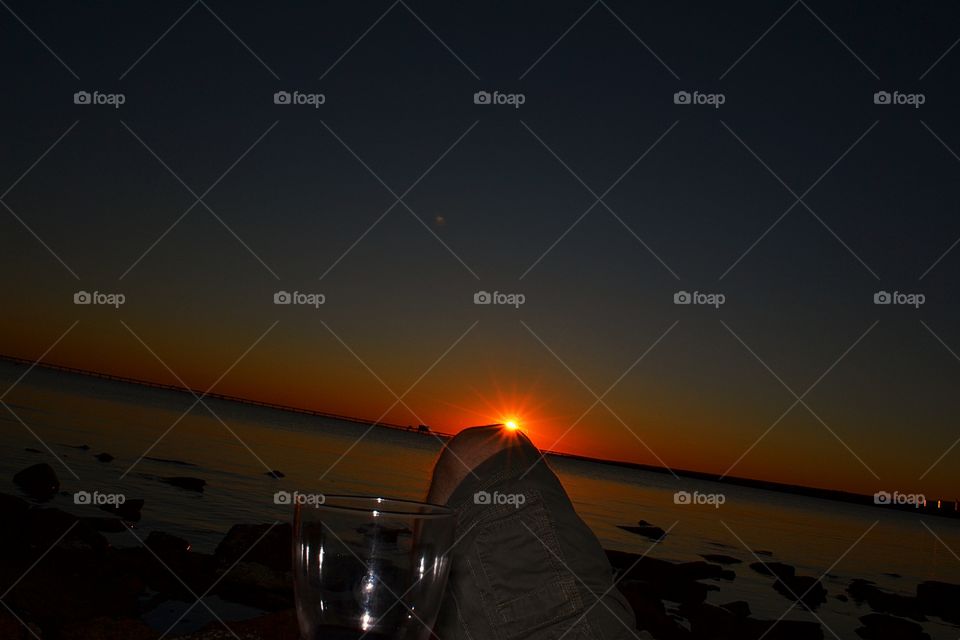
<point>834,495</point>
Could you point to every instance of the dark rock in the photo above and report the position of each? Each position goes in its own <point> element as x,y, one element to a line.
<point>106,525</point>
<point>885,602</point>
<point>281,625</point>
<point>774,569</point>
<point>12,629</point>
<point>740,608</point>
<point>108,629</point>
<point>104,457</point>
<point>666,580</point>
<point>650,613</point>
<point>880,626</point>
<point>38,481</point>
<point>645,529</point>
<point>166,545</point>
<point>940,599</point>
<point>719,558</point>
<point>180,463</point>
<point>275,474</point>
<point>708,621</point>
<point>763,552</point>
<point>32,450</point>
<point>188,484</point>
<point>806,589</point>
<point>779,630</point>
<point>274,549</point>
<point>255,585</point>
<point>129,510</point>
<point>45,526</point>
<point>82,447</point>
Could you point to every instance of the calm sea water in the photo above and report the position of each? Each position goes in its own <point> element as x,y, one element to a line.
<point>65,411</point>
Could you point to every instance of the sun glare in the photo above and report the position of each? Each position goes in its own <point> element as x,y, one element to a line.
<point>511,424</point>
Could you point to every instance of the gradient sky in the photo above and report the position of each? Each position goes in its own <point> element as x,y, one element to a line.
<point>396,302</point>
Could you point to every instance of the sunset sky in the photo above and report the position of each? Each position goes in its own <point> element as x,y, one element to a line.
<point>299,209</point>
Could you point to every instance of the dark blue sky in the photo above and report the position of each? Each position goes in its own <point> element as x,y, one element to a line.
<point>881,212</point>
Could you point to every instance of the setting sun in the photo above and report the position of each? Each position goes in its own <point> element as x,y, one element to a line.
<point>511,424</point>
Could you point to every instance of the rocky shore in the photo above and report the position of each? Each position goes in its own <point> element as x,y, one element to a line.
<point>65,581</point>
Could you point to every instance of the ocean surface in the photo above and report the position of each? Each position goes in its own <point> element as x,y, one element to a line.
<point>234,447</point>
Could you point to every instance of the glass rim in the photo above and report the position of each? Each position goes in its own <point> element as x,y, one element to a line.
<point>392,507</point>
